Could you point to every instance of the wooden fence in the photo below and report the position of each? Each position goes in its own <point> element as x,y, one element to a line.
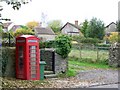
<point>86,51</point>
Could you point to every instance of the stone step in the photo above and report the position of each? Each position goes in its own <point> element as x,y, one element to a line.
<point>48,72</point>
<point>50,76</point>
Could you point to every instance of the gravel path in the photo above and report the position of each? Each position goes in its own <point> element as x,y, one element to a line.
<point>86,79</point>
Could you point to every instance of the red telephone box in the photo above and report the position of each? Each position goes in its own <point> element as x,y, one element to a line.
<point>27,57</point>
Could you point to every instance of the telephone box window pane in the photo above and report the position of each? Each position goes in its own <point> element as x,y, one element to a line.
<point>33,59</point>
<point>33,51</point>
<point>32,47</point>
<point>33,68</point>
<point>33,72</point>
<point>33,76</point>
<point>20,57</point>
<point>33,63</point>
<point>32,55</point>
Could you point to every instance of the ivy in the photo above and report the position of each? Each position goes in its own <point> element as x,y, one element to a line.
<point>63,45</point>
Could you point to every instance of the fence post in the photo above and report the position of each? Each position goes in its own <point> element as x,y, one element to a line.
<point>97,53</point>
<point>9,39</point>
<point>80,50</point>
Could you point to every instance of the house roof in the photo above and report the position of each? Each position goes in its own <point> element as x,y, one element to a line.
<point>71,25</point>
<point>15,27</point>
<point>110,24</point>
<point>6,24</point>
<point>42,30</point>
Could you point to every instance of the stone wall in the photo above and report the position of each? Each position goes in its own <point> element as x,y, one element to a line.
<point>61,65</point>
<point>8,62</point>
<point>54,62</point>
<point>114,55</point>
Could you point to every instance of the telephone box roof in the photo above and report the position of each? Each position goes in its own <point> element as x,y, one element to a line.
<point>26,36</point>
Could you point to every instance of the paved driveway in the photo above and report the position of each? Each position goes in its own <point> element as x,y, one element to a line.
<point>89,79</point>
<point>99,77</point>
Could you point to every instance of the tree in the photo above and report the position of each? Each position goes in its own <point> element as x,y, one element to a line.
<point>95,29</point>
<point>32,24</point>
<point>118,26</point>
<point>16,5</point>
<point>84,27</point>
<point>55,25</point>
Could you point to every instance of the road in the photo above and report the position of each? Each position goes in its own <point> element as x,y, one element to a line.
<point>107,86</point>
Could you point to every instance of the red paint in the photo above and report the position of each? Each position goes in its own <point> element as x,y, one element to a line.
<point>27,57</point>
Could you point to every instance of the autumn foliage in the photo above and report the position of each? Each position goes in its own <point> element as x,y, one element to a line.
<point>113,37</point>
<point>32,24</point>
<point>22,31</point>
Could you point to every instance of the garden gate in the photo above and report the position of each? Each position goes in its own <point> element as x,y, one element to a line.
<point>48,56</point>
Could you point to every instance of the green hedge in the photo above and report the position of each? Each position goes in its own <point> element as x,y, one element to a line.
<point>89,40</point>
<point>47,44</point>
<point>103,45</point>
<point>86,40</point>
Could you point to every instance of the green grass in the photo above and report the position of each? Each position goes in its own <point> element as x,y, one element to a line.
<point>88,65</point>
<point>70,73</point>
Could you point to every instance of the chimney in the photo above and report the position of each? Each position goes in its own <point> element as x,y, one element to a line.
<point>76,22</point>
<point>40,24</point>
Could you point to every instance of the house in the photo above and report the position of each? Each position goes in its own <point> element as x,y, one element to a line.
<point>15,27</point>
<point>7,26</point>
<point>110,28</point>
<point>71,29</point>
<point>46,34</point>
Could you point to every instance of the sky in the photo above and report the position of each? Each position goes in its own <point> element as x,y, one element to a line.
<point>64,10</point>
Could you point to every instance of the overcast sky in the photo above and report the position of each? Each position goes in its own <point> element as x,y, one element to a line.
<point>64,10</point>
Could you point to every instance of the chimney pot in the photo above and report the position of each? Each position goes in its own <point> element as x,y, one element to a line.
<point>76,22</point>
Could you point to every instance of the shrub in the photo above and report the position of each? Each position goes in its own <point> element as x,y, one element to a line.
<point>63,45</point>
<point>82,39</point>
<point>103,45</point>
<point>41,44</point>
<point>22,31</point>
<point>77,38</point>
<point>47,44</point>
<point>50,44</point>
<point>113,37</point>
<point>90,40</point>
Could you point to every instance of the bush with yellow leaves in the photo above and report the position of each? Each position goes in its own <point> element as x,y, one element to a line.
<point>113,37</point>
<point>22,31</point>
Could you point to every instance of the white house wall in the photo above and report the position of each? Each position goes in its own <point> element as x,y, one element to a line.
<point>10,26</point>
<point>69,28</point>
<point>47,37</point>
<point>111,28</point>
